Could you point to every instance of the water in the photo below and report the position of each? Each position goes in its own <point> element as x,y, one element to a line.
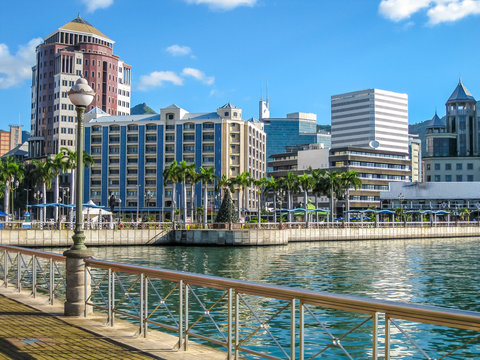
<point>443,272</point>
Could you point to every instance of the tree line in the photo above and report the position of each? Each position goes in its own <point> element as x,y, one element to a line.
<point>319,182</point>
<point>38,174</point>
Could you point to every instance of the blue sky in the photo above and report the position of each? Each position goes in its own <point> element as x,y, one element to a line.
<point>200,54</point>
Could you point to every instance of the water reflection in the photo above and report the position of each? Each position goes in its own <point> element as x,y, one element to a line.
<point>443,272</point>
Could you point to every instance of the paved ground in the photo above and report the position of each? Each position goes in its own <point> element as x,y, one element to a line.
<point>30,328</point>
<point>26,333</point>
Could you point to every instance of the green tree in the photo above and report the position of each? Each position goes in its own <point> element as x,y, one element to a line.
<point>272,186</point>
<point>206,176</point>
<point>333,180</point>
<point>192,178</point>
<point>227,213</point>
<point>183,169</point>
<point>306,183</point>
<point>43,176</point>
<point>11,173</point>
<point>347,180</point>
<point>70,163</point>
<point>170,176</point>
<point>320,186</point>
<point>242,181</point>
<point>290,185</point>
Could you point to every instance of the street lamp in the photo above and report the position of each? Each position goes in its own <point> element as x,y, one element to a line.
<point>148,196</point>
<point>38,195</point>
<point>77,283</point>
<point>81,95</point>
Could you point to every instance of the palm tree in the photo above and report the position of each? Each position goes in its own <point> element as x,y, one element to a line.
<point>58,166</point>
<point>347,180</point>
<point>183,169</point>
<point>260,184</point>
<point>289,184</point>
<point>170,175</point>
<point>11,172</point>
<point>206,177</point>
<point>272,186</point>
<point>243,181</point>
<point>333,179</point>
<point>224,182</point>
<point>70,163</point>
<point>306,183</point>
<point>193,178</point>
<point>320,185</point>
<point>43,175</point>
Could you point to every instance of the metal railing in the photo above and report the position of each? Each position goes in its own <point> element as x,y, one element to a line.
<point>35,270</point>
<point>270,321</point>
<point>165,226</point>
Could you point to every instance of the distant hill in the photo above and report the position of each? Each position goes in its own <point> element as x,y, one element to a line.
<point>141,109</point>
<point>326,128</point>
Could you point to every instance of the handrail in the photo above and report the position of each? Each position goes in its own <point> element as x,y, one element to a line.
<point>462,319</point>
<point>37,253</point>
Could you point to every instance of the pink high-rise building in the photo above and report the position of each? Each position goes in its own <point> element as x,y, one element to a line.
<point>75,50</point>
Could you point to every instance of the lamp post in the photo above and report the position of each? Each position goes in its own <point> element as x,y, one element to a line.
<point>38,195</point>
<point>81,95</point>
<point>401,197</point>
<point>65,192</point>
<point>148,196</point>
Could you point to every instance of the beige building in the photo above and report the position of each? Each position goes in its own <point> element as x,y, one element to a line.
<point>131,152</point>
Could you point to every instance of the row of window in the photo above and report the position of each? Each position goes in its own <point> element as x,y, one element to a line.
<point>448,166</point>
<point>449,178</point>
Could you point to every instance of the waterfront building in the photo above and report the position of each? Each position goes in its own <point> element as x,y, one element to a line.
<point>297,128</point>
<point>361,118</point>
<point>449,196</point>
<point>77,49</point>
<point>453,145</point>
<point>376,168</point>
<point>131,152</point>
<point>4,142</point>
<point>298,159</point>
<point>415,152</point>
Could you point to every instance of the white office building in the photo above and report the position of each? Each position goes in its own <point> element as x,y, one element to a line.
<point>370,118</point>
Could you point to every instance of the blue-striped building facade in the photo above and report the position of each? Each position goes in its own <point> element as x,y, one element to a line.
<point>131,152</point>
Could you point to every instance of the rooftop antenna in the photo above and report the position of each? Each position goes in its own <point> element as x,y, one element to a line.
<point>267,93</point>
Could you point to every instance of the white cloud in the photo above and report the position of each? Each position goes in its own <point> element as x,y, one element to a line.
<point>223,4</point>
<point>438,11</point>
<point>178,50</point>
<point>397,10</point>
<point>159,78</point>
<point>199,75</point>
<point>453,11</point>
<point>93,5</point>
<point>16,68</point>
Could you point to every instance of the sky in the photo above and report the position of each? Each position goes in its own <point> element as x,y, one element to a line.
<point>200,54</point>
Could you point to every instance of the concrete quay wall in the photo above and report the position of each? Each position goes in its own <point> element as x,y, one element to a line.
<point>61,238</point>
<point>251,237</point>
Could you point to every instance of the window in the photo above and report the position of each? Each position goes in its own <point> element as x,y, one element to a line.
<point>437,178</point>
<point>469,166</point>
<point>469,177</point>
<point>226,113</point>
<point>437,166</point>
<point>459,167</point>
<point>448,178</point>
<point>429,178</point>
<point>459,177</point>
<point>448,166</point>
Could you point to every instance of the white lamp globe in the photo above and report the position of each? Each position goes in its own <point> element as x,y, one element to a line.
<point>81,94</point>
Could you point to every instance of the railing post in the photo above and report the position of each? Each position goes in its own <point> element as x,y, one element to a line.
<point>185,296</point>
<point>86,286</point>
<point>230,314</point>
<point>19,271</point>
<point>34,276</point>
<point>237,323</point>
<point>302,330</point>
<point>180,314</point>
<point>111,296</point>
<point>375,336</point>
<point>142,308</point>
<point>52,281</point>
<point>387,337</point>
<point>145,310</point>
<point>292,329</point>
<point>5,268</point>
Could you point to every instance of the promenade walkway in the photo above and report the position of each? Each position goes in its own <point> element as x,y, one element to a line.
<point>32,329</point>
<point>26,333</point>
